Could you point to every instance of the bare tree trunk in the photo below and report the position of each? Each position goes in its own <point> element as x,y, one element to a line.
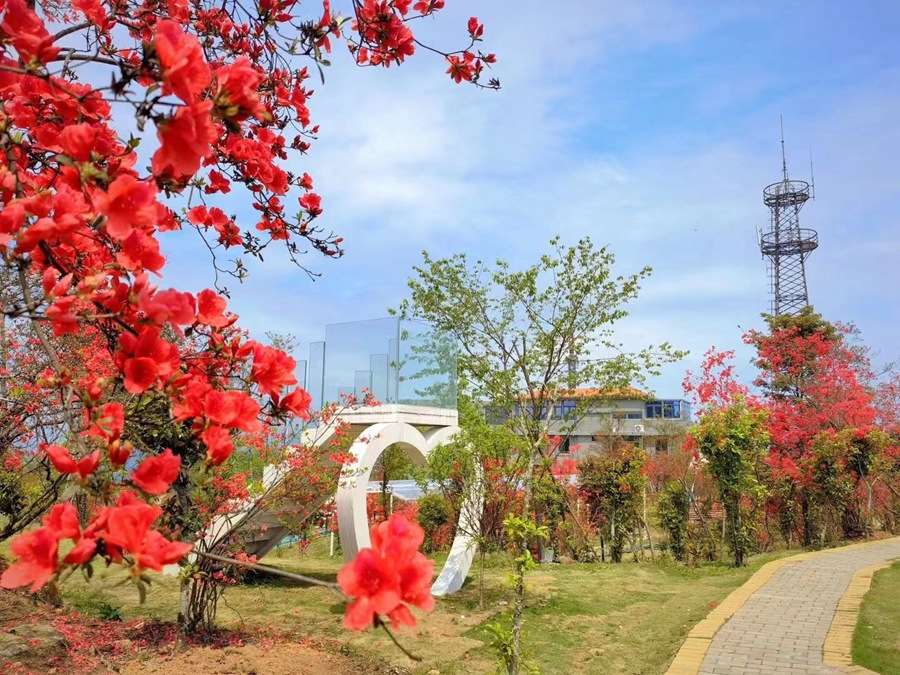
<point>184,610</point>
<point>81,505</point>
<point>481,578</point>
<point>647,525</point>
<point>518,618</point>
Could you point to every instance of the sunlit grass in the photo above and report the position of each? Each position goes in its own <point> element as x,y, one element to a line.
<point>876,641</point>
<point>582,618</point>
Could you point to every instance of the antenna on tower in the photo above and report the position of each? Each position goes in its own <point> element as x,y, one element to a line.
<point>783,155</point>
<point>812,177</point>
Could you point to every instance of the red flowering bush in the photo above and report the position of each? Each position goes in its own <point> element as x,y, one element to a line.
<point>164,381</point>
<point>388,578</point>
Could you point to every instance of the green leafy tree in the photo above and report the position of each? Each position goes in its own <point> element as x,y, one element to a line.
<point>612,485</point>
<point>529,336</point>
<point>673,503</point>
<point>733,438</point>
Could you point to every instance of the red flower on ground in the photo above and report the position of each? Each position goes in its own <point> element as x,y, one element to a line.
<point>156,474</point>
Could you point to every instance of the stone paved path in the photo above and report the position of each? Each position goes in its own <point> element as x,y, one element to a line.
<point>782,627</point>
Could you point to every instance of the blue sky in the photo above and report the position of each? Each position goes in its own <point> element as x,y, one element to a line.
<point>650,126</point>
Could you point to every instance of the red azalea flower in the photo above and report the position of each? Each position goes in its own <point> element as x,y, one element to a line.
<point>372,582</point>
<point>157,551</point>
<point>126,526</point>
<point>272,369</point>
<point>186,139</point>
<point>64,463</point>
<point>62,522</point>
<point>184,70</point>
<point>127,203</point>
<point>232,409</point>
<point>156,474</point>
<point>219,445</point>
<point>37,554</point>
<point>237,84</point>
<point>140,252</point>
<point>312,204</point>
<point>210,309</point>
<point>110,422</point>
<point>119,452</point>
<point>83,551</point>
<point>61,459</point>
<point>391,573</point>
<point>140,375</point>
<point>297,403</point>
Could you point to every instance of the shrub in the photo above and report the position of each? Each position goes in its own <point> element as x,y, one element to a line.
<point>435,517</point>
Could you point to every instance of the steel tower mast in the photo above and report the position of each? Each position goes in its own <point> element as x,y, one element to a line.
<point>786,245</point>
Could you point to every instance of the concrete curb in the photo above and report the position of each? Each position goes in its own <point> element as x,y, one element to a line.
<point>691,654</point>
<point>839,641</point>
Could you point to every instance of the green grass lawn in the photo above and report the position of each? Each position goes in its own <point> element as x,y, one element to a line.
<point>876,642</point>
<point>581,618</point>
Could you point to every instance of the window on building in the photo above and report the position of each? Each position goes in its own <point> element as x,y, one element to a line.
<point>627,415</point>
<point>671,410</point>
<point>564,410</point>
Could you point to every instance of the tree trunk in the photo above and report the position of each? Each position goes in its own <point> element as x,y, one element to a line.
<point>807,524</point>
<point>81,505</point>
<point>518,618</point>
<point>481,578</point>
<point>184,610</point>
<point>647,526</point>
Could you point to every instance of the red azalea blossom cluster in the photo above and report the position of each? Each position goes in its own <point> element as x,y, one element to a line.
<point>123,529</point>
<point>83,223</point>
<point>387,578</point>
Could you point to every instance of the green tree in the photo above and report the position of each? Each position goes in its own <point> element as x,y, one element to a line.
<point>527,337</point>
<point>733,439</point>
<point>612,485</point>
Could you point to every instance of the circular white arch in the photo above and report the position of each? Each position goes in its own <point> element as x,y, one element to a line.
<point>353,520</point>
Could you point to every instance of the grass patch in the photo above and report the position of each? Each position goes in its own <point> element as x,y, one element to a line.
<point>580,618</point>
<point>876,641</point>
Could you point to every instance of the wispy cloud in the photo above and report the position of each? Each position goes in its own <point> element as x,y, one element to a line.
<point>649,126</point>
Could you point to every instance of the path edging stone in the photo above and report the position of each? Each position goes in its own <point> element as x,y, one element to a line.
<point>692,652</point>
<point>839,641</point>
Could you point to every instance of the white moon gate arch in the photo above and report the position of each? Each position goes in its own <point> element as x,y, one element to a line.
<point>410,369</point>
<point>353,521</point>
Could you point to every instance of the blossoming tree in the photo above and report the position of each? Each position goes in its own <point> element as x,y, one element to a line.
<point>122,121</point>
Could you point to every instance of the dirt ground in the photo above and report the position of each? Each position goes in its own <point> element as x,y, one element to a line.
<point>37,638</point>
<point>282,659</point>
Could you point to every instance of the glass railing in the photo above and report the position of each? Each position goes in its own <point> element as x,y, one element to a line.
<point>398,361</point>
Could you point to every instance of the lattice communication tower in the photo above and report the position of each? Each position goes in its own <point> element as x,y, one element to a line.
<point>786,245</point>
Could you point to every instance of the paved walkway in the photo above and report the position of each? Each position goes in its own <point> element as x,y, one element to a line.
<point>782,626</point>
